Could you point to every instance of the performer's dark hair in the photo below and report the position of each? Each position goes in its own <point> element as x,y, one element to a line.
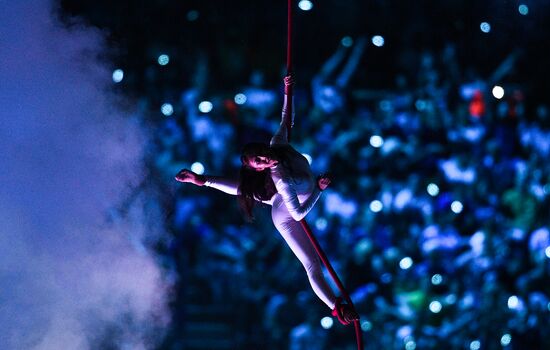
<point>258,185</point>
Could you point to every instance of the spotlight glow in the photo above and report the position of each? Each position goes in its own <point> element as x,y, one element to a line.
<point>475,345</point>
<point>376,141</point>
<point>163,59</point>
<point>321,224</point>
<point>198,168</point>
<point>405,263</point>
<point>456,207</point>
<point>433,189</point>
<point>377,41</point>
<point>327,322</point>
<point>437,279</point>
<point>513,302</point>
<point>192,15</point>
<point>410,345</point>
<point>205,106</point>
<point>167,109</point>
<point>505,339</point>
<point>523,9</point>
<point>305,5</point>
<point>118,75</point>
<point>450,299</point>
<point>485,27</point>
<point>347,41</point>
<point>435,307</point>
<point>498,92</point>
<point>240,99</point>
<point>376,206</point>
<point>366,326</point>
<point>420,105</point>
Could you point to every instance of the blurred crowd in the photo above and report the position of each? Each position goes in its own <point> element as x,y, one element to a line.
<point>436,220</point>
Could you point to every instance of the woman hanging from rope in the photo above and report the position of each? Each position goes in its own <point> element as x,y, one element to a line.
<point>278,175</point>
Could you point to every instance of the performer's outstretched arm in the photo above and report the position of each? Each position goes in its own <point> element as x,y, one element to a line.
<point>229,186</point>
<point>287,118</point>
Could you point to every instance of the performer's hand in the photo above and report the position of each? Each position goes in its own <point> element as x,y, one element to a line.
<point>289,83</point>
<point>188,176</point>
<point>323,181</point>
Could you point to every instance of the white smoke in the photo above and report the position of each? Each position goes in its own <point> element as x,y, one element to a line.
<point>69,279</point>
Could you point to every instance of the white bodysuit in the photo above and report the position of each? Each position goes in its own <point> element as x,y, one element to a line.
<point>296,195</point>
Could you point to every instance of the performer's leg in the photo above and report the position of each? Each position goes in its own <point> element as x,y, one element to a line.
<point>301,246</point>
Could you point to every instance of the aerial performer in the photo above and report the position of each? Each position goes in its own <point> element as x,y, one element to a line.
<point>278,175</point>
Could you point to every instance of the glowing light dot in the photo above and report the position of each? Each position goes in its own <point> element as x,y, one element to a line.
<point>548,306</point>
<point>435,307</point>
<point>197,168</point>
<point>513,302</point>
<point>505,339</point>
<point>308,158</point>
<point>475,345</point>
<point>523,9</point>
<point>498,92</point>
<point>377,40</point>
<point>385,105</point>
<point>327,322</point>
<point>547,252</point>
<point>546,189</point>
<point>410,345</point>
<point>433,189</point>
<point>456,207</point>
<point>376,141</point>
<point>420,105</point>
<point>167,109</point>
<point>205,106</point>
<point>405,263</point>
<point>376,206</point>
<point>192,15</point>
<point>366,326</point>
<point>305,5</point>
<point>118,75</point>
<point>163,60</point>
<point>485,27</point>
<point>450,299</point>
<point>321,224</point>
<point>240,99</point>
<point>347,41</point>
<point>437,279</point>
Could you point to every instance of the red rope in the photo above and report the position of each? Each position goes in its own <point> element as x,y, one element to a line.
<point>305,226</point>
<point>289,66</point>
<point>326,262</point>
<point>289,38</point>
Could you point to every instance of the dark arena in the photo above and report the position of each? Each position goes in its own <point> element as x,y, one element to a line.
<point>274,175</point>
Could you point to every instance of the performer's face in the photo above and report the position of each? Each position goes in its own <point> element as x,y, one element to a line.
<point>260,163</point>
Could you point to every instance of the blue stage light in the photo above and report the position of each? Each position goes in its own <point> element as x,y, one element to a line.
<point>167,109</point>
<point>198,168</point>
<point>163,59</point>
<point>305,5</point>
<point>205,106</point>
<point>377,40</point>
<point>485,27</point>
<point>523,9</point>
<point>240,99</point>
<point>118,75</point>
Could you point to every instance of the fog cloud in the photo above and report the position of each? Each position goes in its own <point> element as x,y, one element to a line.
<point>69,278</point>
